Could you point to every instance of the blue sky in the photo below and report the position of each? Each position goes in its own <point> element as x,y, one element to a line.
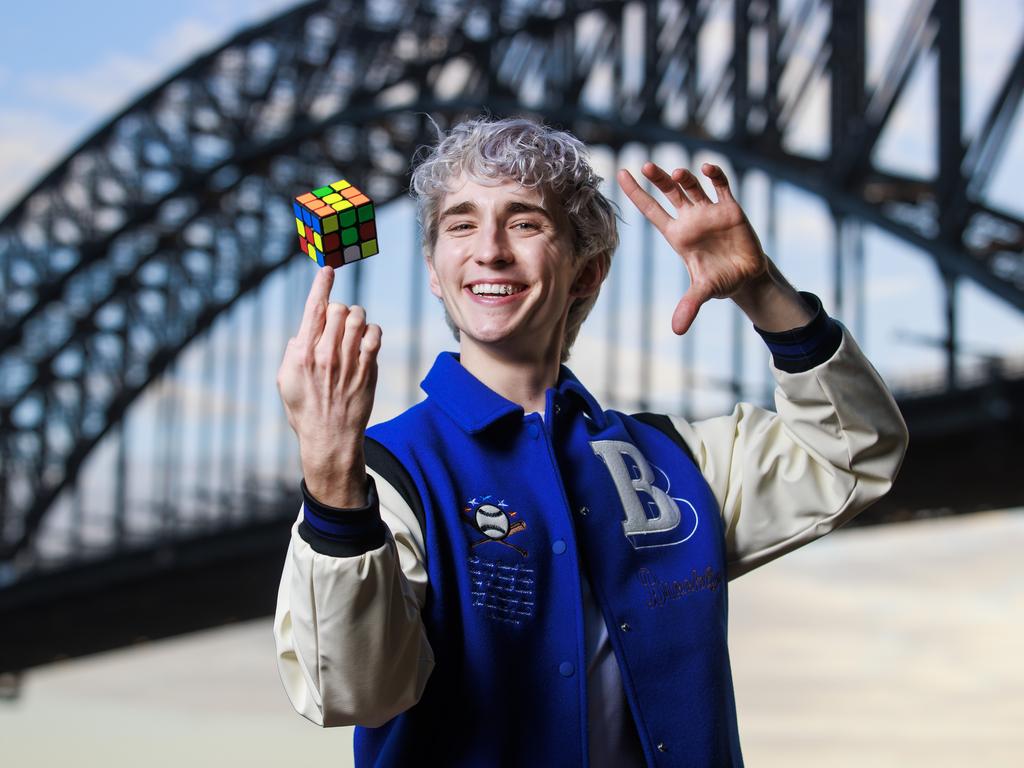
<point>66,66</point>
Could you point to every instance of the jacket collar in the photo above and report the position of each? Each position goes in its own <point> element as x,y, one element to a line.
<point>474,406</point>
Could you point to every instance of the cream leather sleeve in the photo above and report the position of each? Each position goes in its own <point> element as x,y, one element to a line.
<point>783,480</point>
<point>351,646</point>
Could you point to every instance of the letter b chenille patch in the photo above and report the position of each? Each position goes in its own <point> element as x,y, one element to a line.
<point>653,517</point>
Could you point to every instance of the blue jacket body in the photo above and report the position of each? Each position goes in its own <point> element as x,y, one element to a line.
<point>516,510</point>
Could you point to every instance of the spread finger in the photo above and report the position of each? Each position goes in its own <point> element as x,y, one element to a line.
<point>648,206</point>
<point>719,180</point>
<point>666,184</point>
<point>691,186</point>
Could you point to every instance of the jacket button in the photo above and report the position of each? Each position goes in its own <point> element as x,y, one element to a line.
<point>558,408</point>
<point>584,511</point>
<point>566,669</point>
<point>624,626</point>
<point>662,747</point>
<point>558,546</point>
<point>532,429</point>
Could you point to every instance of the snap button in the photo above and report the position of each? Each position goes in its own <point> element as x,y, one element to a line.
<point>558,408</point>
<point>624,626</point>
<point>662,747</point>
<point>584,511</point>
<point>558,546</point>
<point>566,669</point>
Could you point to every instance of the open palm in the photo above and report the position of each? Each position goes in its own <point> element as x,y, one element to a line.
<point>718,246</point>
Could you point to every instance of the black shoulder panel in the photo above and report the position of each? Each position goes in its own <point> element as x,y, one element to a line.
<point>663,424</point>
<point>384,463</point>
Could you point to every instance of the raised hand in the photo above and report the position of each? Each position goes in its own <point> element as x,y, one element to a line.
<point>718,246</point>
<point>327,381</point>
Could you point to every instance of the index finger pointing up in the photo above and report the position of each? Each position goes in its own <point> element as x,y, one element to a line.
<point>315,313</point>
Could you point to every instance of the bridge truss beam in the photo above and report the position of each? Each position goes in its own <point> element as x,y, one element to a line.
<point>162,219</point>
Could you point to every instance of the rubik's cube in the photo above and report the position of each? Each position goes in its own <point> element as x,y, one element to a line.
<point>336,224</point>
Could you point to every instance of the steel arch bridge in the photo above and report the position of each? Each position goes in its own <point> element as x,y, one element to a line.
<point>157,224</point>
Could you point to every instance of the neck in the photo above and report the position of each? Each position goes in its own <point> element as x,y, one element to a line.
<point>521,379</point>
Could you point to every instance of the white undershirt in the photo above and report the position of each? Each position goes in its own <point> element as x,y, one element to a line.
<point>613,740</point>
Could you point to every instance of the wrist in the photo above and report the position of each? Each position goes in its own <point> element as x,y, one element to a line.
<point>771,303</point>
<point>340,482</point>
<point>342,532</point>
<point>754,291</point>
<point>345,493</point>
<point>800,349</point>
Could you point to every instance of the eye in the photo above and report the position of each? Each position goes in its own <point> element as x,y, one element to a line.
<point>526,225</point>
<point>460,226</point>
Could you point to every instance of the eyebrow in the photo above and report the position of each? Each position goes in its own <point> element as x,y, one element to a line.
<point>516,206</point>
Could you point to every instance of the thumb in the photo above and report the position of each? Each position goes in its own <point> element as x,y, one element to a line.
<point>687,309</point>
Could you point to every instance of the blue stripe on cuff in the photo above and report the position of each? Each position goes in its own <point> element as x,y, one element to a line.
<point>342,532</point>
<point>801,349</point>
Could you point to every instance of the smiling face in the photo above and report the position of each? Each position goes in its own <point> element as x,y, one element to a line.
<point>503,265</point>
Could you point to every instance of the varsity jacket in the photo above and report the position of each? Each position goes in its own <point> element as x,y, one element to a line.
<point>446,617</point>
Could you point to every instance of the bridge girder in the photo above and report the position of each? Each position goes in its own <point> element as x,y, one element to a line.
<point>157,223</point>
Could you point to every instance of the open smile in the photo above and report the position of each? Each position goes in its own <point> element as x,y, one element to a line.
<point>495,293</point>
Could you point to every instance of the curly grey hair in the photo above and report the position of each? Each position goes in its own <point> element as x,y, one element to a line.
<point>490,151</point>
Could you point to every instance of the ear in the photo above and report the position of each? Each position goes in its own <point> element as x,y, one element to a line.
<point>588,279</point>
<point>435,284</point>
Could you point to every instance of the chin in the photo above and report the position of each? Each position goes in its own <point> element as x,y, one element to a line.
<point>492,336</point>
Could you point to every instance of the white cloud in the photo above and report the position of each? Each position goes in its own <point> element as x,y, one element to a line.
<point>231,13</point>
<point>59,109</point>
<point>32,141</point>
<point>96,90</point>
<point>119,77</point>
<point>186,39</point>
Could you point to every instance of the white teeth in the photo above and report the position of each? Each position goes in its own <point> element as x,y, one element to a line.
<point>494,289</point>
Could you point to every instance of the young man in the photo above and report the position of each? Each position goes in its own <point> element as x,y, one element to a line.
<point>506,573</point>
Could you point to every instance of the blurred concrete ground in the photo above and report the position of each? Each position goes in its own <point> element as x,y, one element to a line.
<point>895,646</point>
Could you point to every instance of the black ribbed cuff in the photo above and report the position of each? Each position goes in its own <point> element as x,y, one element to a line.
<point>801,349</point>
<point>342,532</point>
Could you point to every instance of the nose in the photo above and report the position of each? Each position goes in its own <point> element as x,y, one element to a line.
<point>493,246</point>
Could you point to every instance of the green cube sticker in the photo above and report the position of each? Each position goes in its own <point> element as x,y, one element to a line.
<point>369,248</point>
<point>348,217</point>
<point>323,192</point>
<point>365,212</point>
<point>349,236</point>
